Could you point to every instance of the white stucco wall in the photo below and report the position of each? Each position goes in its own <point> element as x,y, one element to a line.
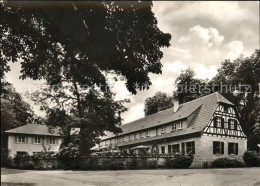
<point>29,146</point>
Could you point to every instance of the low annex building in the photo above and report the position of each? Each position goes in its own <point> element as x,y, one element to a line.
<point>207,127</point>
<point>32,138</point>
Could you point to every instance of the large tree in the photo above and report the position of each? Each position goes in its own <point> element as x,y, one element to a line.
<point>76,43</point>
<point>160,101</point>
<point>189,87</point>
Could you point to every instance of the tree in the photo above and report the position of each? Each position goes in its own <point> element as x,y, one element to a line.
<point>243,72</point>
<point>239,82</point>
<point>15,112</point>
<point>189,87</point>
<point>160,101</point>
<point>79,43</point>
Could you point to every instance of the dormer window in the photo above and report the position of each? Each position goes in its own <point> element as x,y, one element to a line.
<point>163,129</point>
<point>174,126</point>
<point>148,133</point>
<point>180,125</point>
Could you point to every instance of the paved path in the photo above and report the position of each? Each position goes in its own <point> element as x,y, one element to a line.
<point>207,177</point>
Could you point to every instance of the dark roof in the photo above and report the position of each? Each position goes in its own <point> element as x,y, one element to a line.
<point>34,130</point>
<point>198,113</point>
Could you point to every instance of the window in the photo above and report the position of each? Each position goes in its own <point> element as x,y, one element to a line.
<point>163,149</point>
<point>188,147</point>
<point>218,147</point>
<point>176,148</point>
<point>37,140</point>
<point>130,137</point>
<point>233,148</point>
<point>218,122</point>
<point>105,142</point>
<point>135,136</point>
<point>123,138</point>
<point>141,135</point>
<point>21,139</point>
<point>52,141</point>
<point>174,126</point>
<point>148,133</point>
<point>163,129</point>
<point>180,125</point>
<point>21,153</point>
<point>225,108</point>
<point>232,124</point>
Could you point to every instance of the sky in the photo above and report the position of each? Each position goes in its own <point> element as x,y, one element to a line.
<point>204,34</point>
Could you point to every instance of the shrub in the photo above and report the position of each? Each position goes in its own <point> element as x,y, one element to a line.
<point>226,163</point>
<point>179,161</point>
<point>205,164</point>
<point>152,164</point>
<point>251,159</point>
<point>117,165</point>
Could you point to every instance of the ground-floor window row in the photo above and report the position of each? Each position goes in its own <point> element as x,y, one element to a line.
<point>184,148</point>
<point>189,148</point>
<point>218,148</point>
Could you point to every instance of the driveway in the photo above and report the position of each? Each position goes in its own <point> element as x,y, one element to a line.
<point>181,177</point>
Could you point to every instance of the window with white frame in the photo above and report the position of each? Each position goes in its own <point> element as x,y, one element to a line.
<point>37,140</point>
<point>52,141</point>
<point>174,126</point>
<point>141,134</point>
<point>21,139</point>
<point>163,129</point>
<point>218,120</point>
<point>148,132</point>
<point>180,125</point>
<point>218,147</point>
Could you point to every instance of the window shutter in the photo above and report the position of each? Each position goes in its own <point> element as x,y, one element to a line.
<point>222,123</point>
<point>15,139</point>
<point>236,148</point>
<point>26,139</point>
<point>214,147</point>
<point>222,147</point>
<point>32,139</point>
<point>193,147</point>
<point>235,124</point>
<point>215,122</point>
<point>229,148</point>
<point>183,148</point>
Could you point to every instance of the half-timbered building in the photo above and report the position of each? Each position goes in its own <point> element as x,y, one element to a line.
<point>207,127</point>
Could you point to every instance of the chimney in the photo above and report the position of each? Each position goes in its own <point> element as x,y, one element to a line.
<point>175,105</point>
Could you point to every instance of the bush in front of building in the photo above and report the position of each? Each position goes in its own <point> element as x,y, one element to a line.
<point>252,159</point>
<point>179,161</point>
<point>226,163</point>
<point>151,164</point>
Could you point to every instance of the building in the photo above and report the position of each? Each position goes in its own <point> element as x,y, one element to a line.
<point>207,127</point>
<point>31,139</point>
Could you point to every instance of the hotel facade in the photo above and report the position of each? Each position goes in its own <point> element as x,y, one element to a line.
<point>207,127</point>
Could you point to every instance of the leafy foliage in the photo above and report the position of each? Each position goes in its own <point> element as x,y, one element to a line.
<point>252,159</point>
<point>226,163</point>
<point>179,161</point>
<point>160,101</point>
<point>73,45</point>
<point>152,164</point>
